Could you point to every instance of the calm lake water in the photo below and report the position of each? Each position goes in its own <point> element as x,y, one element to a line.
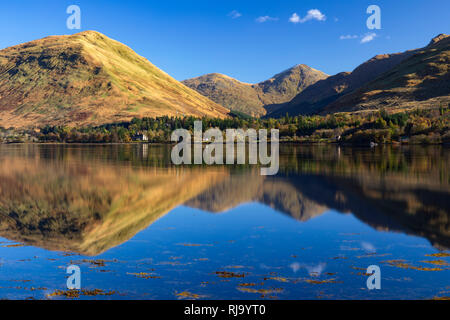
<point>140,228</point>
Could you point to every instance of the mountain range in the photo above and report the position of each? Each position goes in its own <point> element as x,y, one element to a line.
<point>252,99</point>
<point>410,79</point>
<point>89,79</point>
<point>422,78</point>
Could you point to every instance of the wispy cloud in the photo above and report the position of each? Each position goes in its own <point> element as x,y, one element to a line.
<point>313,14</point>
<point>368,37</point>
<point>348,36</point>
<point>235,14</point>
<point>364,38</point>
<point>263,19</point>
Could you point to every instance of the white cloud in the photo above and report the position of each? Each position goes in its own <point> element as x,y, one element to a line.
<point>348,36</point>
<point>294,18</point>
<point>265,18</point>
<point>313,14</point>
<point>368,37</point>
<point>235,14</point>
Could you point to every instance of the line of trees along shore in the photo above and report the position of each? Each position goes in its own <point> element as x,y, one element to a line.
<point>430,126</point>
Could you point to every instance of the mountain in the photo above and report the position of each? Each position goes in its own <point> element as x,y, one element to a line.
<point>88,79</point>
<point>398,70</point>
<point>421,80</point>
<point>252,99</point>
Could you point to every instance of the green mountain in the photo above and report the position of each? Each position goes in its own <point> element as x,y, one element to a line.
<point>252,99</point>
<point>395,77</point>
<point>88,79</point>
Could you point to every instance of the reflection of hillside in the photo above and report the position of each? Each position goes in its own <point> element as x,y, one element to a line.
<point>278,193</point>
<point>388,203</point>
<point>88,209</point>
<point>88,199</point>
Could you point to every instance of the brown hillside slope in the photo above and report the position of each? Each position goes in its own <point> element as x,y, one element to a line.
<point>253,98</point>
<point>88,79</point>
<point>422,80</point>
<point>318,96</point>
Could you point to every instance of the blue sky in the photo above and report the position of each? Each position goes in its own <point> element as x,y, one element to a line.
<point>191,38</point>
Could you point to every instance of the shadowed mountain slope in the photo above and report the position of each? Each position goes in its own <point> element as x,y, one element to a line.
<point>397,80</point>
<point>422,80</point>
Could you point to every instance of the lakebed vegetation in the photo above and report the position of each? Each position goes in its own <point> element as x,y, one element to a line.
<point>420,126</point>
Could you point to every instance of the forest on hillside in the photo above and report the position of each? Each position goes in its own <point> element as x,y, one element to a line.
<point>429,126</point>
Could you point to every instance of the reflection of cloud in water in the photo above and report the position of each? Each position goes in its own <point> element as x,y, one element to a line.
<point>295,266</point>
<point>367,246</point>
<point>313,270</point>
<point>347,248</point>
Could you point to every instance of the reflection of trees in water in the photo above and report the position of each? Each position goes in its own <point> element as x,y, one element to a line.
<point>88,208</point>
<point>88,199</point>
<point>429,162</point>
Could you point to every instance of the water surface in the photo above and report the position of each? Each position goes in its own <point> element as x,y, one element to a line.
<point>140,228</point>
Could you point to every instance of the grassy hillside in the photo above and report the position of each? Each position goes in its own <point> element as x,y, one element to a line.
<point>422,80</point>
<point>253,99</point>
<point>88,78</point>
<point>334,94</point>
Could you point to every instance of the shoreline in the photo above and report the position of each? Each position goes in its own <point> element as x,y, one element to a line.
<point>309,143</point>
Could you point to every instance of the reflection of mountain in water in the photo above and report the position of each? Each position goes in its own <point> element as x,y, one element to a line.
<point>88,209</point>
<point>389,189</point>
<point>88,205</point>
<point>279,193</point>
<point>387,203</point>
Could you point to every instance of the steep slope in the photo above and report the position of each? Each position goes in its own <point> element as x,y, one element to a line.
<point>253,98</point>
<point>422,80</point>
<point>318,96</point>
<point>88,78</point>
